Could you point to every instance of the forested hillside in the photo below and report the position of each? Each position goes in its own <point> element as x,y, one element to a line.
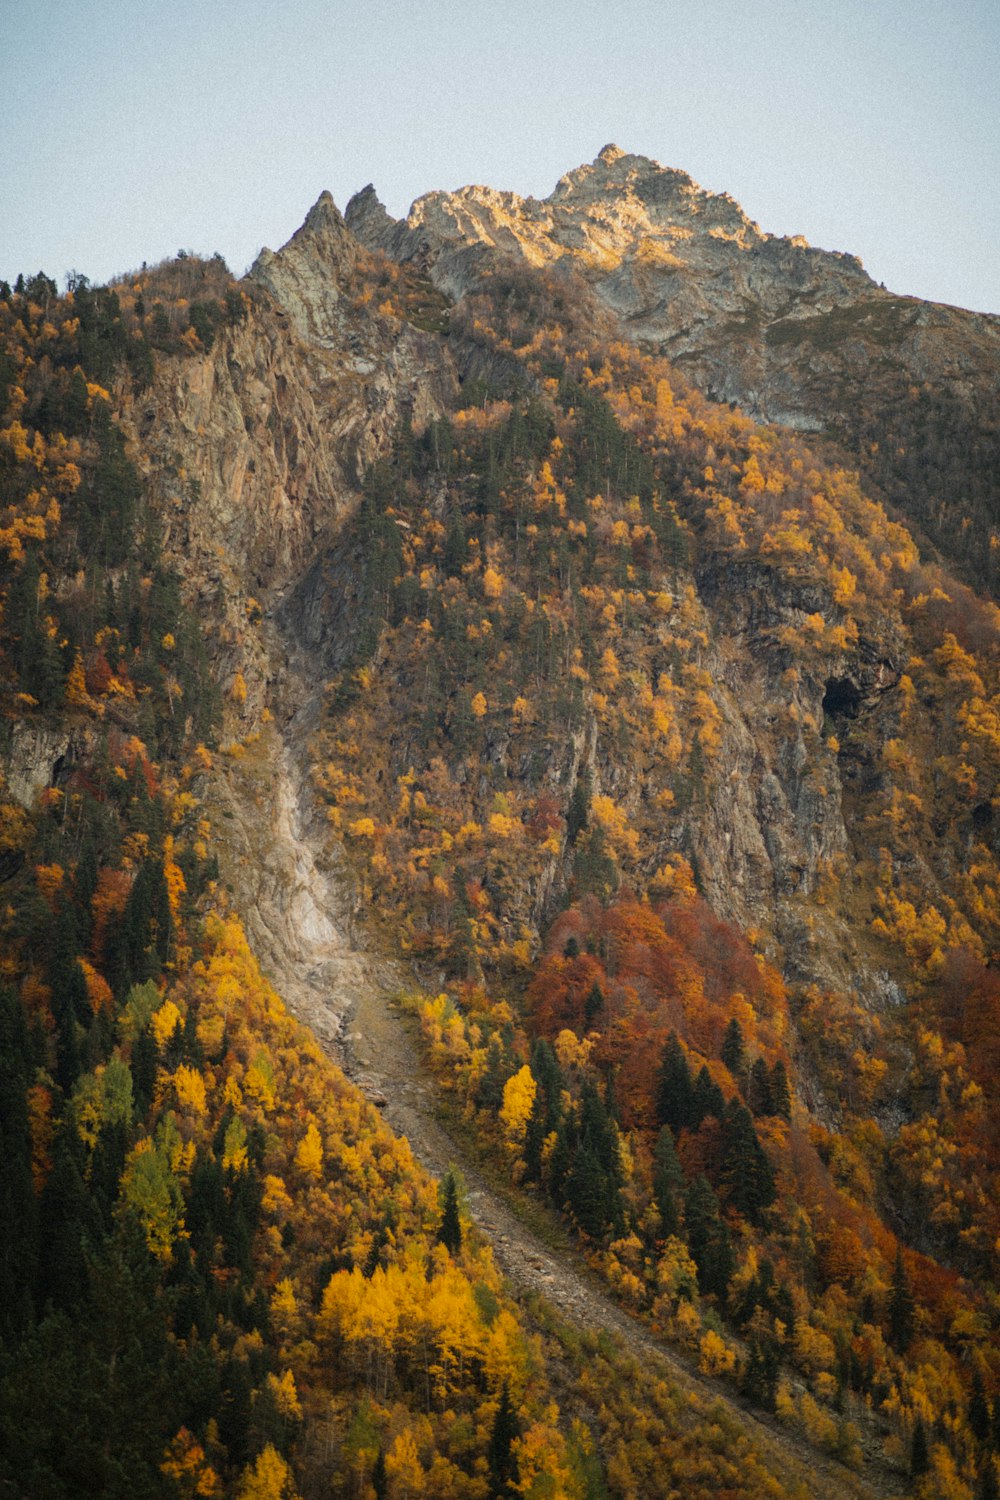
<point>662,757</point>
<point>215,1259</point>
<point>595,603</point>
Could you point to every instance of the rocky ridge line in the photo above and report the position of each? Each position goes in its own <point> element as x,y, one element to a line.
<point>770,322</point>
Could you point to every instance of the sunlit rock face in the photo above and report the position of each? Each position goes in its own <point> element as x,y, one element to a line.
<point>773,323</point>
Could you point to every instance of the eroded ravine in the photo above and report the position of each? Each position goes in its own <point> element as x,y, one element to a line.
<point>296,905</point>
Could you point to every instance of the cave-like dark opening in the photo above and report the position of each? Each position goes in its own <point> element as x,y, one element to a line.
<point>841,698</point>
<point>982,817</point>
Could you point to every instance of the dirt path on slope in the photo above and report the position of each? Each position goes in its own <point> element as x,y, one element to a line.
<point>293,898</point>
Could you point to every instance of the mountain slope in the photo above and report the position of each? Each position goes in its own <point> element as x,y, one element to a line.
<point>633,738</point>
<point>791,333</point>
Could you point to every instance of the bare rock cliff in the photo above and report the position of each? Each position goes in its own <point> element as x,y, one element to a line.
<point>256,450</point>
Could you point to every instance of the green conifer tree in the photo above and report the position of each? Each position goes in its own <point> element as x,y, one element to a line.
<point>781,1094</point>
<point>501,1457</point>
<point>759,1089</point>
<point>674,1092</point>
<point>706,1098</point>
<point>380,1477</point>
<point>732,1053</point>
<point>708,1239</point>
<point>747,1175</point>
<point>901,1306</point>
<point>668,1181</point>
<point>919,1456</point>
<point>450,1230</point>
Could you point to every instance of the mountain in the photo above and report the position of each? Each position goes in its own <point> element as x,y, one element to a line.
<point>540,641</point>
<point>791,333</point>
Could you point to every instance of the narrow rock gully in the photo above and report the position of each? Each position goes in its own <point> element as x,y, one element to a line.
<point>295,903</point>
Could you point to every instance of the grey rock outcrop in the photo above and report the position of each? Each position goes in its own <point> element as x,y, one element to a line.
<point>770,322</point>
<point>255,452</point>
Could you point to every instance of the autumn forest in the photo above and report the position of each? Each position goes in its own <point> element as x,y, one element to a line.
<point>654,751</point>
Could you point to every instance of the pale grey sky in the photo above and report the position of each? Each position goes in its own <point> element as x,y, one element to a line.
<point>129,130</point>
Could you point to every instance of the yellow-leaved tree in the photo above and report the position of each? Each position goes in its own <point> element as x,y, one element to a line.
<point>518,1102</point>
<point>268,1478</point>
<point>309,1153</point>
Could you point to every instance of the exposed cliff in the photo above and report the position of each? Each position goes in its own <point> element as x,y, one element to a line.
<point>760,319</point>
<point>255,450</point>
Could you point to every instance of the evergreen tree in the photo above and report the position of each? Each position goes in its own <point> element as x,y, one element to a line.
<point>593,1179</point>
<point>560,1162</point>
<point>759,1089</point>
<point>578,812</point>
<point>759,1292</point>
<point>500,1455</point>
<point>746,1174</point>
<point>901,1306</point>
<point>593,1005</point>
<point>373,1259</point>
<point>674,1093</point>
<point>980,1417</point>
<point>66,975</point>
<point>594,870</point>
<point>759,1375</point>
<point>67,1044</point>
<point>597,1126</point>
<point>919,1456</point>
<point>668,1180</point>
<point>380,1478</point>
<point>781,1094</point>
<point>107,1166</point>
<point>36,651</point>
<point>131,957</point>
<point>84,886</point>
<point>587,1191</point>
<point>456,550</point>
<point>548,1075</point>
<point>450,1231</point>
<point>66,1224</point>
<point>145,1060</point>
<point>489,1095</point>
<point>708,1239</point>
<point>706,1098</point>
<point>732,1053</point>
<point>534,1139</point>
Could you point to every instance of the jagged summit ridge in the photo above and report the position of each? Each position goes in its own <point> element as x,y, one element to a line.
<point>600,210</point>
<point>767,321</point>
<point>368,218</point>
<point>684,269</point>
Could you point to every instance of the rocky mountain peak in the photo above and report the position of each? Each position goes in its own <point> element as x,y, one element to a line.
<point>324,214</point>
<point>306,275</point>
<point>367,218</point>
<point>615,172</point>
<point>751,317</point>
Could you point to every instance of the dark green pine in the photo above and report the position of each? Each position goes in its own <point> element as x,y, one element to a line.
<point>674,1092</point>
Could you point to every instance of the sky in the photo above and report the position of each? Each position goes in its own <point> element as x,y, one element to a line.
<point>130,130</point>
